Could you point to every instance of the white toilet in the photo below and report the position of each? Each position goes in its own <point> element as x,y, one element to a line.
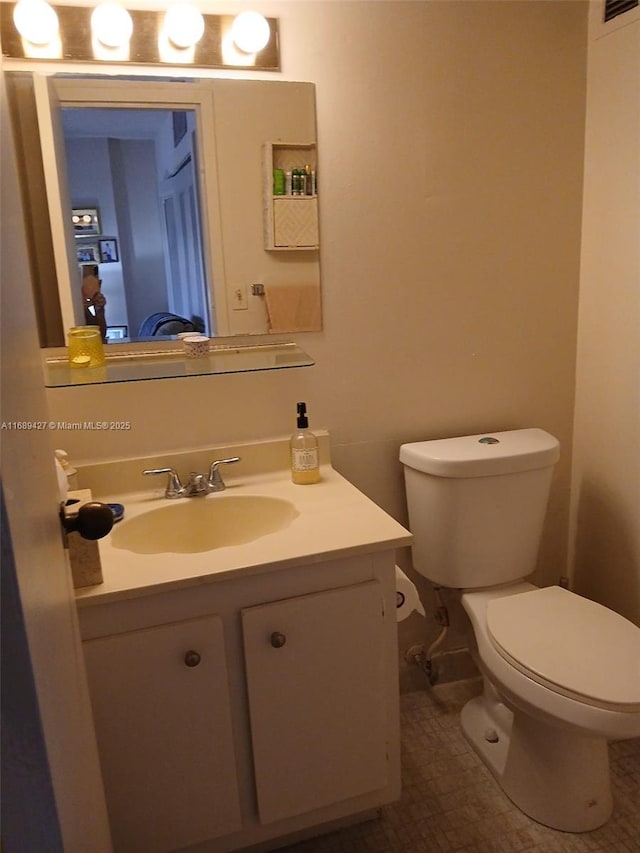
<point>561,673</point>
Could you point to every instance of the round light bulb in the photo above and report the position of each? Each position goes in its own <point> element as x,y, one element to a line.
<point>36,21</point>
<point>184,25</point>
<point>250,32</point>
<point>111,24</point>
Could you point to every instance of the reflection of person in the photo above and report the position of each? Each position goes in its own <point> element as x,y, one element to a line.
<point>93,300</point>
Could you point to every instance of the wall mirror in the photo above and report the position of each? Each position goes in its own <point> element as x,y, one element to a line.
<point>164,191</point>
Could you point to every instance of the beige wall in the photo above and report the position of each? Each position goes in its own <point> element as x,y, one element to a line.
<point>450,169</point>
<point>606,479</point>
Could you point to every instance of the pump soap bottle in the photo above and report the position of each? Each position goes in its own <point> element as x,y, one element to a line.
<point>305,465</point>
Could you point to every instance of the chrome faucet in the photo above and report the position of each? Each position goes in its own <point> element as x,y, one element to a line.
<point>198,485</point>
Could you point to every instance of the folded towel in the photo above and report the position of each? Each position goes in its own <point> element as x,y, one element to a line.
<point>294,308</point>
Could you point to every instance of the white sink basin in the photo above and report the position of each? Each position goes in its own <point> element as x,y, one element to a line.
<point>195,525</point>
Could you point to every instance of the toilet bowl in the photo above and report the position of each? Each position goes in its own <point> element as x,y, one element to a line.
<point>561,677</point>
<point>561,673</point>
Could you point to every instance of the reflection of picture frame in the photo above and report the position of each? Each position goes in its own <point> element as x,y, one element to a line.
<point>179,126</point>
<point>117,333</point>
<point>108,250</point>
<point>85,221</point>
<point>87,253</point>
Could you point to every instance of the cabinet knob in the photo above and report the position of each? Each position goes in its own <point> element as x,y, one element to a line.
<point>192,658</point>
<point>278,640</point>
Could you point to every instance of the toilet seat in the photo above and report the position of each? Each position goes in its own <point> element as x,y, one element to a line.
<point>570,645</point>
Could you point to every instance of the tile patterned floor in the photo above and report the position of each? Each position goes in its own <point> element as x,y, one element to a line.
<point>450,801</point>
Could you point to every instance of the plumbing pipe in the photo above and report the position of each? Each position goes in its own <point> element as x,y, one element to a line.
<point>438,640</point>
<point>442,616</point>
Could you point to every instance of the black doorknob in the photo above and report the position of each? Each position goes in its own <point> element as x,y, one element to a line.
<point>93,521</point>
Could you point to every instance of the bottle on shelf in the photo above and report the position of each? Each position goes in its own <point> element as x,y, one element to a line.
<point>278,182</point>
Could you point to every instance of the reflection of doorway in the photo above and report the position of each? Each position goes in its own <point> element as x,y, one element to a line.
<point>118,159</point>
<point>183,246</point>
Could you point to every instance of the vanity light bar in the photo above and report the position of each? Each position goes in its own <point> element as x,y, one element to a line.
<point>204,41</point>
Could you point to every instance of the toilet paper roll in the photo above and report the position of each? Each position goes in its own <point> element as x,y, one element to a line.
<point>407,598</point>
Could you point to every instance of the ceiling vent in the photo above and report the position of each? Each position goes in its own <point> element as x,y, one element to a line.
<point>613,8</point>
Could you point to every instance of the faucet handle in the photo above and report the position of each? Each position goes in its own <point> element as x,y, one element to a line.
<point>216,483</point>
<point>174,489</point>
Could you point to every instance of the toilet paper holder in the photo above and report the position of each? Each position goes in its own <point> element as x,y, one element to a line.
<point>407,598</point>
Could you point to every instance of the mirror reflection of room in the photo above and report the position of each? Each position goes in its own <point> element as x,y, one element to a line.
<point>137,168</point>
<point>187,229</point>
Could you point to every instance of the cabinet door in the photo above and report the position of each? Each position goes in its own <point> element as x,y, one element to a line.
<point>315,676</point>
<point>163,725</point>
<point>295,222</point>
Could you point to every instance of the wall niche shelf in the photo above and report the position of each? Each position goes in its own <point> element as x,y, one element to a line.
<point>290,221</point>
<point>137,365</point>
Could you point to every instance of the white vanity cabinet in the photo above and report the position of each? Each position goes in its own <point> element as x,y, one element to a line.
<point>315,678</point>
<point>288,721</point>
<point>162,716</point>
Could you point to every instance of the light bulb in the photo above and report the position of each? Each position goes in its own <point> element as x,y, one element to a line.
<point>111,25</point>
<point>36,21</point>
<point>250,31</point>
<point>184,25</point>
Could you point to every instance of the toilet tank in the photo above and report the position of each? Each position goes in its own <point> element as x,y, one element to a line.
<point>477,505</point>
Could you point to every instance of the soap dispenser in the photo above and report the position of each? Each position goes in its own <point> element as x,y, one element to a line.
<point>305,462</point>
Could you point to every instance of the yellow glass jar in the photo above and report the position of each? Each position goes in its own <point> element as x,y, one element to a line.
<point>85,346</point>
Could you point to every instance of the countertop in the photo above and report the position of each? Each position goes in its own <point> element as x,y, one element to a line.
<point>334,520</point>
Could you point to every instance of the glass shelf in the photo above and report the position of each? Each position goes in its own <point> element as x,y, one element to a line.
<point>172,364</point>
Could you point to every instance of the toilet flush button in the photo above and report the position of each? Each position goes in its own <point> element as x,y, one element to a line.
<point>488,439</point>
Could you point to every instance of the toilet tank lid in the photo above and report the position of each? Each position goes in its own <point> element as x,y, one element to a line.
<point>484,454</point>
